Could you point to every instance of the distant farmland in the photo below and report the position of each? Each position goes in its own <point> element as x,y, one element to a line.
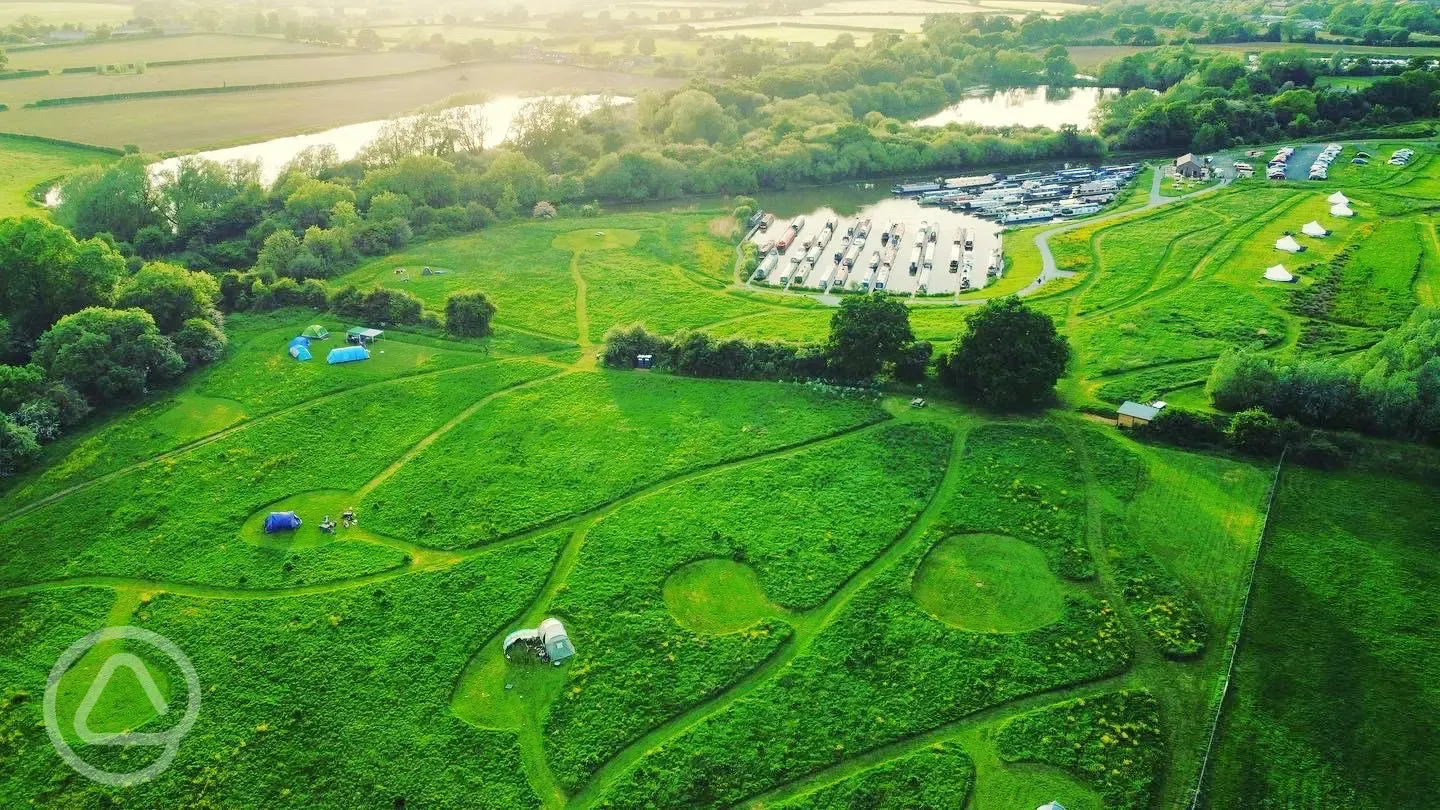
<point>172,123</point>
<point>199,46</point>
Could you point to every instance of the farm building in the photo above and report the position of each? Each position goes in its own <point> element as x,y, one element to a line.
<point>1278,273</point>
<point>1133,414</point>
<point>1288,244</point>
<point>1189,166</point>
<point>549,641</point>
<point>362,335</point>
<point>1315,229</point>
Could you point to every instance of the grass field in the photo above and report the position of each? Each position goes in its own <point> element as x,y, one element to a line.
<point>781,595</point>
<point>164,124</point>
<point>1333,673</point>
<point>28,165</point>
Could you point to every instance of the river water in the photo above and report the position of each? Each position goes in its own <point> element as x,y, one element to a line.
<point>498,113</point>
<point>1028,107</point>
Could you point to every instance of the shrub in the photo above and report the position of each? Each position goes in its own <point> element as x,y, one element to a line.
<point>108,354</point>
<point>1256,432</point>
<point>1241,380</point>
<point>1183,428</point>
<point>914,362</point>
<point>468,314</point>
<point>543,210</point>
<point>41,417</point>
<point>18,447</point>
<point>199,342</point>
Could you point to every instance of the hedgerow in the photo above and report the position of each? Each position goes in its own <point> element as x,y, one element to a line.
<point>1113,741</point>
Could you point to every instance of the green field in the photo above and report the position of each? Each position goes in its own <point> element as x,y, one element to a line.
<point>59,13</point>
<point>780,594</point>
<point>1333,677</point>
<point>197,46</point>
<point>28,166</point>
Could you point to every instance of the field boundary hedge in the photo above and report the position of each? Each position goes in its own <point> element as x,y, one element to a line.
<point>20,136</point>
<point>23,74</point>
<point>1232,647</point>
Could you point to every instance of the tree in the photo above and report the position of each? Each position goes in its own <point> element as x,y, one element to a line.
<point>313,200</point>
<point>468,314</point>
<point>117,200</point>
<point>199,342</point>
<point>1257,432</point>
<point>387,205</point>
<point>367,40</point>
<point>543,210</point>
<point>18,447</point>
<point>279,252</point>
<point>172,295</point>
<point>110,355</point>
<point>646,45</point>
<point>1009,356</point>
<point>45,273</point>
<point>1240,380</point>
<point>867,332</point>
<point>914,362</point>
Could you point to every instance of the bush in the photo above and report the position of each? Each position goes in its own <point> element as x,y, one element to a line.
<point>697,354</point>
<point>914,362</point>
<point>42,418</point>
<point>18,447</point>
<point>468,314</point>
<point>200,342</point>
<point>1241,380</point>
<point>543,210</point>
<point>1182,428</point>
<point>1317,450</point>
<point>378,305</point>
<point>108,354</point>
<point>1256,432</point>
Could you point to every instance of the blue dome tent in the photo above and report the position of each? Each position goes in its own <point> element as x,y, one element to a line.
<point>347,354</point>
<point>281,522</point>
<point>300,352</point>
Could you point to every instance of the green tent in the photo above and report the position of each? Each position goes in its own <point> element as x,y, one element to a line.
<point>316,332</point>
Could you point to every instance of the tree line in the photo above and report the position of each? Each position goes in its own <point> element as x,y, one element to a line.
<point>1008,357</point>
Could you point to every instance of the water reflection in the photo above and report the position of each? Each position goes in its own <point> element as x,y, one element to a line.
<point>1029,107</point>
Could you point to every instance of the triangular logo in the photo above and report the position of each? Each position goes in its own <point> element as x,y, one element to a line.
<point>92,696</point>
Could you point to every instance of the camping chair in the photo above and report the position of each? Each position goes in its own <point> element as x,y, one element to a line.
<point>327,525</point>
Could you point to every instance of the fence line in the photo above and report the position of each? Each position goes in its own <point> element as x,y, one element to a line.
<point>1233,646</point>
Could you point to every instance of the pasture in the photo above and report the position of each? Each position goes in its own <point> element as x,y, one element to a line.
<point>724,554</point>
<point>60,12</point>
<point>993,612</point>
<point>26,166</point>
<point>1348,575</point>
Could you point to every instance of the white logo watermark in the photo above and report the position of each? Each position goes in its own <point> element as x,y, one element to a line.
<point>169,739</point>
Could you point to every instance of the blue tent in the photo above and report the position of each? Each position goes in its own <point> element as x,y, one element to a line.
<point>281,522</point>
<point>300,352</point>
<point>300,341</point>
<point>347,354</point>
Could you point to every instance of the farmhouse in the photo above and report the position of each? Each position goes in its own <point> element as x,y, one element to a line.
<point>1189,166</point>
<point>1133,414</point>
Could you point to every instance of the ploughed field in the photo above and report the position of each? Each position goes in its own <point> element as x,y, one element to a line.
<point>780,595</point>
